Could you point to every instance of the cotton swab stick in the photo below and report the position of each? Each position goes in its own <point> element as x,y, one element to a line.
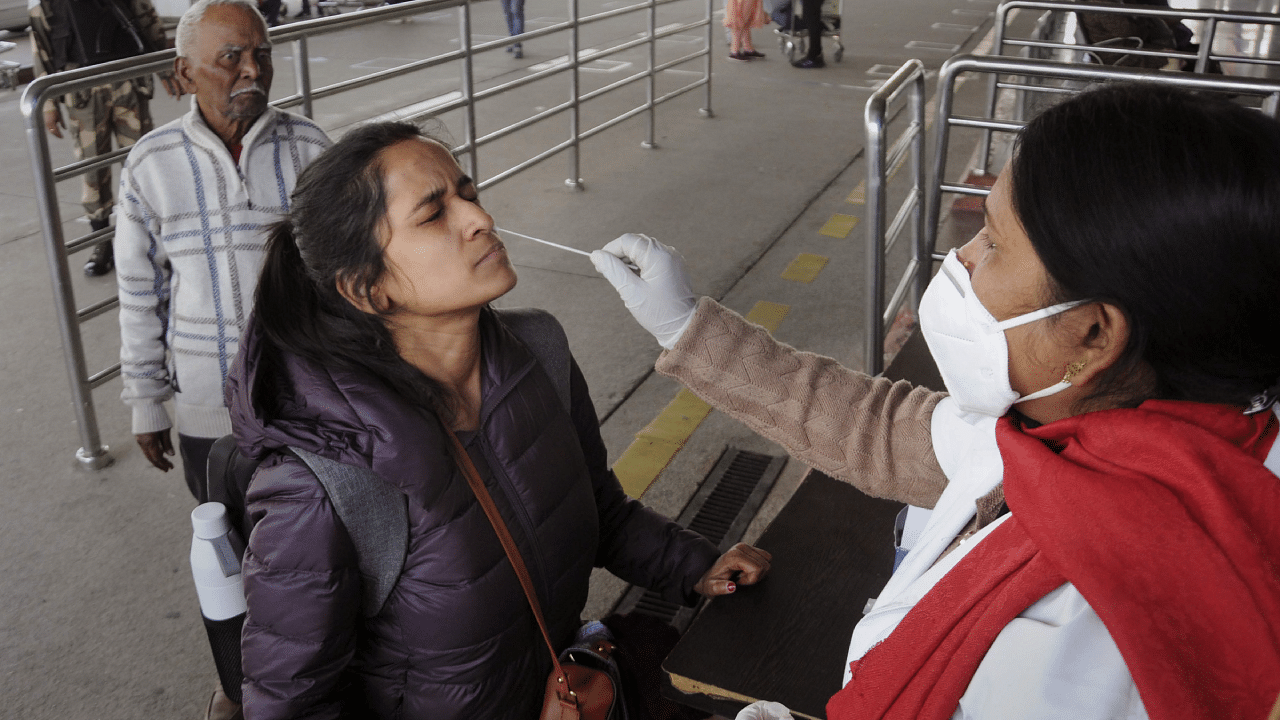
<point>558,245</point>
<point>544,242</point>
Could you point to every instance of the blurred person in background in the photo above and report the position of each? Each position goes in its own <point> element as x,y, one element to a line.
<point>70,34</point>
<point>740,16</point>
<point>513,11</point>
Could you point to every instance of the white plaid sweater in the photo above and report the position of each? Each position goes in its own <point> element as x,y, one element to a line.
<point>190,240</point>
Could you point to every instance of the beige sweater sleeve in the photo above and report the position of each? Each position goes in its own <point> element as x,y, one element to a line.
<point>870,432</point>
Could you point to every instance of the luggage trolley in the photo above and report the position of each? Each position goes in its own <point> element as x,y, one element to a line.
<point>793,38</point>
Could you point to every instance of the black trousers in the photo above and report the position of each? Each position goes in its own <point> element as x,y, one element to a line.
<point>195,464</point>
<point>812,10</point>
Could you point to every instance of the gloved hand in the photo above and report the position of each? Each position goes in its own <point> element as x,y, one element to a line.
<point>764,710</point>
<point>659,297</point>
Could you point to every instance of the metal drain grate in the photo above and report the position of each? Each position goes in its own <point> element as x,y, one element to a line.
<point>720,511</point>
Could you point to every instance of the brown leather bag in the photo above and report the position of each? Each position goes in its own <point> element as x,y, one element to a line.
<point>575,691</point>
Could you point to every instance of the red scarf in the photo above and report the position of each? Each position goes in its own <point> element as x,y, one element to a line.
<point>1164,519</point>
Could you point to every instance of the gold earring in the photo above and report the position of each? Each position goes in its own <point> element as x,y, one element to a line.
<point>1072,369</point>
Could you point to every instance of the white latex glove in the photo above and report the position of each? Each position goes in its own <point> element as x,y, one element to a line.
<point>659,297</point>
<point>764,710</point>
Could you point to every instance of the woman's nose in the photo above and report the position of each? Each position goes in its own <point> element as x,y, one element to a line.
<point>968,253</point>
<point>479,223</point>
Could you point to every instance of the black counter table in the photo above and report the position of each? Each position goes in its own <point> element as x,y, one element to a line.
<point>786,639</point>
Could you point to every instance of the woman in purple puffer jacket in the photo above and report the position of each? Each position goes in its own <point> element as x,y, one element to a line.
<point>372,336</point>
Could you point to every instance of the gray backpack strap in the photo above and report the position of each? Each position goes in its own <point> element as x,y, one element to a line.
<point>545,337</point>
<point>376,515</point>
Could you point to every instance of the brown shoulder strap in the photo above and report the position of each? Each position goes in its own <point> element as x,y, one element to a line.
<point>513,554</point>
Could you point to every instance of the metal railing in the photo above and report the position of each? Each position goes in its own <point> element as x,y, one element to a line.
<point>93,454</point>
<point>1268,90</point>
<point>1209,32</point>
<point>882,161</point>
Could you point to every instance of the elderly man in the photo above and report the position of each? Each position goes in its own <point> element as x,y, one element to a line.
<point>196,199</point>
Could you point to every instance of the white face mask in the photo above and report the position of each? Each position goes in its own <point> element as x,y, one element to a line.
<point>968,344</point>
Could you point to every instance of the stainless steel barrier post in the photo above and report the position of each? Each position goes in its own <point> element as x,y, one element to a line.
<point>923,250</point>
<point>469,132</point>
<point>706,110</point>
<point>1206,44</point>
<point>575,94</point>
<point>651,91</point>
<point>879,236</point>
<point>997,48</point>
<point>92,454</point>
<point>302,74</point>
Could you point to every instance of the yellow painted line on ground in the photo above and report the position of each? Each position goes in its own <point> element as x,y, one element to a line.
<point>805,268</point>
<point>859,194</point>
<point>839,226</point>
<point>768,314</point>
<point>657,444</point>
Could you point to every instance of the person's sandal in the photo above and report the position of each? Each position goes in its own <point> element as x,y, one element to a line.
<point>753,53</point>
<point>739,56</point>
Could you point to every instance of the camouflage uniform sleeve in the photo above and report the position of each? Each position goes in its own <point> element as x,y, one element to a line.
<point>41,45</point>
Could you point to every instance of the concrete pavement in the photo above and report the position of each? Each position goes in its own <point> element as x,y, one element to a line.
<point>98,618</point>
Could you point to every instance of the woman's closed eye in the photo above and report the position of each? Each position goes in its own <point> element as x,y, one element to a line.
<point>432,214</point>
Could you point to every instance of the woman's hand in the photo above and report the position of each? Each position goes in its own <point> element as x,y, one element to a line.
<point>660,297</point>
<point>749,564</point>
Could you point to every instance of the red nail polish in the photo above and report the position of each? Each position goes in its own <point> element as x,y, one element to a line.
<point>731,587</point>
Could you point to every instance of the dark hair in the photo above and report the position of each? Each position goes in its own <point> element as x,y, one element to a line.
<point>331,234</point>
<point>1165,204</point>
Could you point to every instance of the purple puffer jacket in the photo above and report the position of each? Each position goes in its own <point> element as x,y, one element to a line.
<point>456,639</point>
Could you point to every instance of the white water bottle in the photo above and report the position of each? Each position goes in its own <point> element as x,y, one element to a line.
<point>215,563</point>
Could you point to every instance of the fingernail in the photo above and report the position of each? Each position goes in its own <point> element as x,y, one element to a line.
<point>731,587</point>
